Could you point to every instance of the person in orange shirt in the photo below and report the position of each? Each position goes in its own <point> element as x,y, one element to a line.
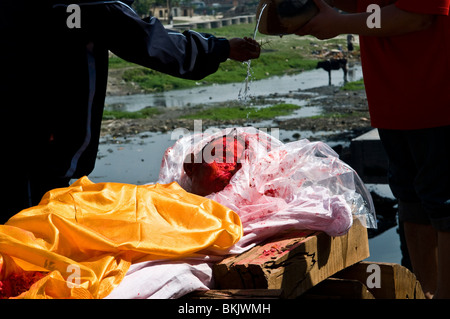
<point>405,66</point>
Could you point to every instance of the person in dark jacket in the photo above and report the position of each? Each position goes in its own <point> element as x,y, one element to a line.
<point>53,83</point>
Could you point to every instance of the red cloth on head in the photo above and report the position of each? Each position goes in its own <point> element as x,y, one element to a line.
<point>212,169</point>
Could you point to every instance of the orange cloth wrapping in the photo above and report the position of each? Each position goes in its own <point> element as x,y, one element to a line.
<point>87,235</point>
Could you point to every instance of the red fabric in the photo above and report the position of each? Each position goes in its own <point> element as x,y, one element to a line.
<point>407,77</point>
<point>218,163</point>
<point>421,6</point>
<point>17,283</point>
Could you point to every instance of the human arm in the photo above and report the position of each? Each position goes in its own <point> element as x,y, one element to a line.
<point>394,21</point>
<point>189,55</point>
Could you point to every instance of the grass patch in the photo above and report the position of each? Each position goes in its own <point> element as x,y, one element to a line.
<point>238,112</point>
<point>269,64</point>
<point>144,113</point>
<point>354,86</point>
<point>153,81</point>
<point>117,63</point>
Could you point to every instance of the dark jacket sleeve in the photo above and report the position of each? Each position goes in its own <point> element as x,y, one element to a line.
<point>188,55</point>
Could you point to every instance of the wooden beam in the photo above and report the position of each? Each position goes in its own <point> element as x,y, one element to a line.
<point>335,288</point>
<point>396,281</point>
<point>293,262</point>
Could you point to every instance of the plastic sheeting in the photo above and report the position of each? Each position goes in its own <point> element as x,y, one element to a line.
<point>301,184</point>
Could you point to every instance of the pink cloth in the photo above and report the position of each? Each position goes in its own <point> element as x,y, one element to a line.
<point>299,185</point>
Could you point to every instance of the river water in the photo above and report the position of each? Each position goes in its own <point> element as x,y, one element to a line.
<point>136,159</point>
<point>229,92</point>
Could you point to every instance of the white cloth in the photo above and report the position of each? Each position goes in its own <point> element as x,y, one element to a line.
<point>165,279</point>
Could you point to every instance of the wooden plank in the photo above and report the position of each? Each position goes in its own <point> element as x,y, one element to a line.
<point>335,288</point>
<point>294,261</point>
<point>396,281</point>
<point>236,294</point>
<point>368,158</point>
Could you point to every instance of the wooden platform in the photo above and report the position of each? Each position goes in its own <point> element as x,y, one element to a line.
<point>355,282</point>
<point>293,262</point>
<point>310,264</point>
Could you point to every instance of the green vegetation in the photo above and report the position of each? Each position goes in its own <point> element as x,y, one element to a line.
<point>239,112</point>
<point>279,56</point>
<point>118,63</point>
<point>229,72</point>
<point>353,86</point>
<point>153,81</point>
<point>144,113</point>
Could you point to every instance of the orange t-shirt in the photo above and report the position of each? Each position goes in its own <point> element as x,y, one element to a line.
<point>407,77</point>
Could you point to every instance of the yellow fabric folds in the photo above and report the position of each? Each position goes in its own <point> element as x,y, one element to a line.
<point>93,232</point>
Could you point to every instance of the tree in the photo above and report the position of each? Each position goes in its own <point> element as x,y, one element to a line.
<point>142,7</point>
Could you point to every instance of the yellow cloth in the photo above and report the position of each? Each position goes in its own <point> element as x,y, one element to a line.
<point>100,229</point>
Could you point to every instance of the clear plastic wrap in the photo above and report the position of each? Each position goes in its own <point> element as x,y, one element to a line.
<point>274,186</point>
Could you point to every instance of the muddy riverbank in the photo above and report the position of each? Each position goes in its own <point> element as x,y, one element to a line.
<point>344,112</point>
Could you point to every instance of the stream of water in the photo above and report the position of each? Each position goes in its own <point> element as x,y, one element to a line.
<point>243,95</point>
